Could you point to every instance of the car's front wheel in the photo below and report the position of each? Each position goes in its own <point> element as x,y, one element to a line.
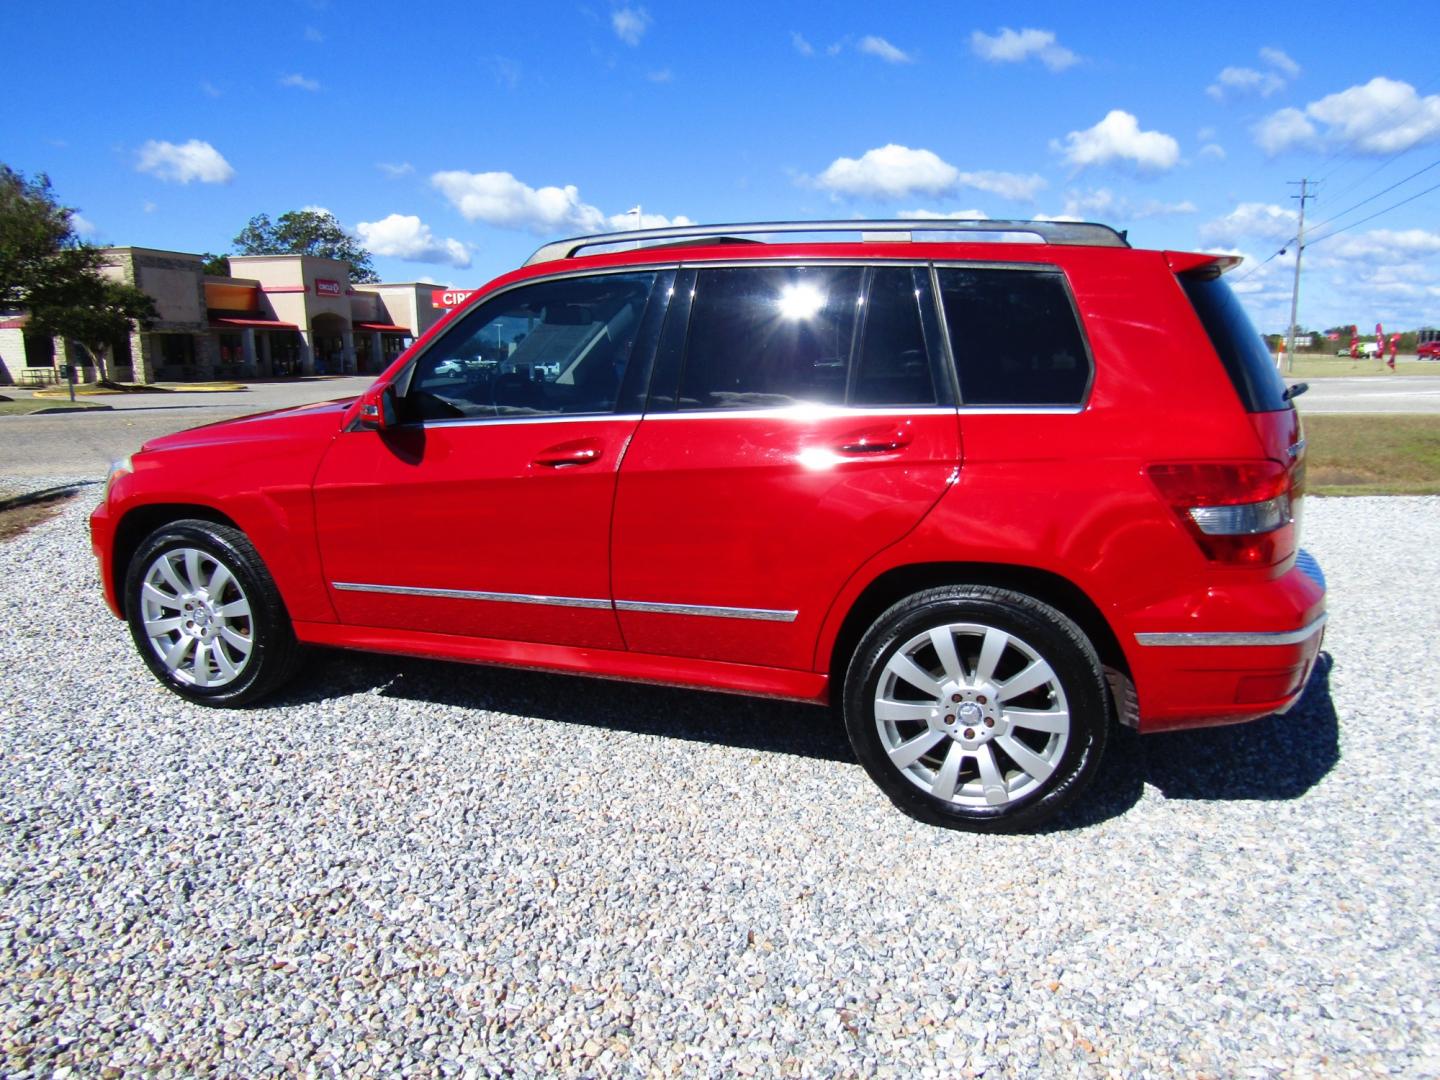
<point>977,708</point>
<point>206,616</point>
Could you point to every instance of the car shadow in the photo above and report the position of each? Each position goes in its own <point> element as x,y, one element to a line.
<point>783,727</point>
<point>1279,757</point>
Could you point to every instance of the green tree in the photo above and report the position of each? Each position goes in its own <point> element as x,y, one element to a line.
<point>49,272</point>
<point>305,232</point>
<point>216,265</point>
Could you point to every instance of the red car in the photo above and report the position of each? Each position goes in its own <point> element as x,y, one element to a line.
<point>987,498</point>
<point>1428,350</point>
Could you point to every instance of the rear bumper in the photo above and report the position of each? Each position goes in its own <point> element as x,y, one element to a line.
<point>1207,676</point>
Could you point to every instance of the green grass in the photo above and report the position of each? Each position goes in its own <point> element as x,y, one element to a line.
<point>34,405</point>
<point>1308,366</point>
<point>1381,454</point>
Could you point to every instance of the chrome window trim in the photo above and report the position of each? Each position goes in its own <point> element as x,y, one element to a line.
<point>594,604</point>
<point>802,412</point>
<point>544,418</point>
<point>470,594</point>
<point>1242,637</point>
<point>707,610</point>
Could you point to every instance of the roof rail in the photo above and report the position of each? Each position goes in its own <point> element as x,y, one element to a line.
<point>1082,233</point>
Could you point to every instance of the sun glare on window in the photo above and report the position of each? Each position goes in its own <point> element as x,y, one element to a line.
<point>800,300</point>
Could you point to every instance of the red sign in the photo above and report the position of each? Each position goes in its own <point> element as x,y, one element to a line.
<point>450,298</point>
<point>327,287</point>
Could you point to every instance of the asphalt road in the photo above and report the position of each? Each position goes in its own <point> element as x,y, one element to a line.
<point>85,445</point>
<point>1371,394</point>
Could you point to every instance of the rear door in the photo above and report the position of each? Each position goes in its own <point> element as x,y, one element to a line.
<point>486,511</point>
<point>801,421</point>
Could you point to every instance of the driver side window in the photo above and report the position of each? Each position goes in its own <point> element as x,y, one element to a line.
<point>548,349</point>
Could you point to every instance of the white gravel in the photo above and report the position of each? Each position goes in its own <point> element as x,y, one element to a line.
<point>411,868</point>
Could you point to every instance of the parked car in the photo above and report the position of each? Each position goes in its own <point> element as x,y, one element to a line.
<point>987,499</point>
<point>1428,350</point>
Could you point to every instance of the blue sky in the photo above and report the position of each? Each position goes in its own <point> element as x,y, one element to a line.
<point>454,138</point>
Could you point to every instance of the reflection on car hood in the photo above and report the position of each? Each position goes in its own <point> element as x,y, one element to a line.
<point>318,420</point>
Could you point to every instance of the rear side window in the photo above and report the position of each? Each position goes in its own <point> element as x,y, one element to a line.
<point>1015,337</point>
<point>1247,361</point>
<point>769,336</point>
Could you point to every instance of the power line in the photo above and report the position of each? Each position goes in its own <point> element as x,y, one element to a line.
<point>1372,217</point>
<point>1377,194</point>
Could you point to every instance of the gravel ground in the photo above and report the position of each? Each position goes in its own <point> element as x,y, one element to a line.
<point>419,869</point>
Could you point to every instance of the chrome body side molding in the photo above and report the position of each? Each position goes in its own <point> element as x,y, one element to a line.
<point>1240,637</point>
<point>707,610</point>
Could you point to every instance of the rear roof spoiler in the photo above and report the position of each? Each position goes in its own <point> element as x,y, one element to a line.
<point>1183,262</point>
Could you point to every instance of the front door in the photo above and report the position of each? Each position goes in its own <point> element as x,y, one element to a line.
<point>485,511</point>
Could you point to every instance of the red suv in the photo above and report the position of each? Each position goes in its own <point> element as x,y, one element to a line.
<point>988,498</point>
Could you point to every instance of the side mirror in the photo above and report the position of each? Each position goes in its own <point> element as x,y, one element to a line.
<point>377,408</point>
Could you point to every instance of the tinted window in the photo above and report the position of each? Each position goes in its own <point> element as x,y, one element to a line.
<point>1015,337</point>
<point>544,349</point>
<point>893,368</point>
<point>769,336</point>
<point>1242,351</point>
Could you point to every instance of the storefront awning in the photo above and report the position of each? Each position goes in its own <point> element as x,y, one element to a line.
<point>258,324</point>
<point>383,327</point>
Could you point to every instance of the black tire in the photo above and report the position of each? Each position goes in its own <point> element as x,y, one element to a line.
<point>227,649</point>
<point>940,732</point>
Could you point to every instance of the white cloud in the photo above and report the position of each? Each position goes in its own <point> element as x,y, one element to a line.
<point>393,170</point>
<point>1244,81</point>
<point>404,236</point>
<point>952,215</point>
<point>1386,246</point>
<point>664,75</point>
<point>149,207</point>
<point>1118,138</point>
<point>300,82</point>
<point>890,171</point>
<point>1233,81</point>
<point>184,162</point>
<point>1384,116</point>
<point>1252,221</point>
<point>1006,185</point>
<point>83,226</point>
<point>630,24</point>
<point>894,172</point>
<point>878,46</point>
<point>1013,46</point>
<point>647,221</point>
<point>497,198</point>
<point>1284,129</point>
<point>1104,204</point>
<point>1277,58</point>
<point>1213,150</point>
<point>803,47</point>
<point>210,89</point>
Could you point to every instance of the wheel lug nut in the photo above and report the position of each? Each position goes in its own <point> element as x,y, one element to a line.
<point>949,719</point>
<point>954,697</point>
<point>989,721</point>
<point>969,733</point>
<point>981,699</point>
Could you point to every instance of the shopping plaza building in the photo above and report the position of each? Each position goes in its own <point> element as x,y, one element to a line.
<point>278,316</point>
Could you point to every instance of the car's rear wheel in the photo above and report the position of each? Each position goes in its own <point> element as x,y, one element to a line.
<point>206,616</point>
<point>977,708</point>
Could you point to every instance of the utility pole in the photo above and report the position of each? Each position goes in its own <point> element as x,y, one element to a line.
<point>1299,253</point>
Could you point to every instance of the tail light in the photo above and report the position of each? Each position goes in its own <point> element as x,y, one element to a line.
<point>1238,512</point>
